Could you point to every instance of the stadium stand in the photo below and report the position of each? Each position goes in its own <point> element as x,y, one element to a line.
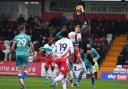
<point>110,61</point>
<point>101,36</point>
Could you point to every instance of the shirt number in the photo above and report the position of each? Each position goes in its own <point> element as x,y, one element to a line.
<point>63,46</point>
<point>21,42</point>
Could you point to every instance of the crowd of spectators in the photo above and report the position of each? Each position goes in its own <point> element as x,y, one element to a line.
<point>99,31</point>
<point>123,57</point>
<point>41,31</point>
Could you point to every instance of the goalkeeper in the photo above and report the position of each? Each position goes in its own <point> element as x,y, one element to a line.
<point>90,57</point>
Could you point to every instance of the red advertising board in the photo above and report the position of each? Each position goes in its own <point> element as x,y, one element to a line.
<point>9,68</point>
<point>122,77</point>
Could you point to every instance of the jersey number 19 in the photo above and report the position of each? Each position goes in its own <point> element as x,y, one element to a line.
<point>63,46</point>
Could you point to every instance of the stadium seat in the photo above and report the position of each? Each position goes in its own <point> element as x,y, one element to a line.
<point>109,38</point>
<point>118,66</point>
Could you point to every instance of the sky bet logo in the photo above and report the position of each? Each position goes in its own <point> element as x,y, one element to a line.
<point>112,76</point>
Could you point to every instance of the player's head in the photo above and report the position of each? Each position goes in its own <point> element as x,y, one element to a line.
<point>50,41</point>
<point>77,29</point>
<point>87,48</point>
<point>64,33</point>
<point>79,8</point>
<point>22,28</point>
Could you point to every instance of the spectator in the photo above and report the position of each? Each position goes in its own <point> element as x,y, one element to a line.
<point>122,59</point>
<point>11,55</point>
<point>3,33</point>
<point>40,56</point>
<point>2,55</point>
<point>30,20</point>
<point>10,34</point>
<point>4,20</point>
<point>20,19</point>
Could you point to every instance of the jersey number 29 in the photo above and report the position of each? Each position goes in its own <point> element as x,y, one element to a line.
<point>21,42</point>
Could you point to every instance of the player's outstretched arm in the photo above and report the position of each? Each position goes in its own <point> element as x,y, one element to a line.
<point>33,50</point>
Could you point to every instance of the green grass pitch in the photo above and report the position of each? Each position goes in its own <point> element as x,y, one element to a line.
<point>11,82</point>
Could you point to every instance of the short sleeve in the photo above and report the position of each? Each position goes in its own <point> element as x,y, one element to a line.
<point>71,47</point>
<point>14,40</point>
<point>96,54</point>
<point>29,39</point>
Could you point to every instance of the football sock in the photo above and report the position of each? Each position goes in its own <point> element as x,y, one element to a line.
<point>93,80</point>
<point>52,75</point>
<point>64,83</point>
<point>21,81</point>
<point>54,84</point>
<point>71,81</point>
<point>74,76</point>
<point>60,77</point>
<point>79,78</point>
<point>46,75</point>
<point>21,78</point>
